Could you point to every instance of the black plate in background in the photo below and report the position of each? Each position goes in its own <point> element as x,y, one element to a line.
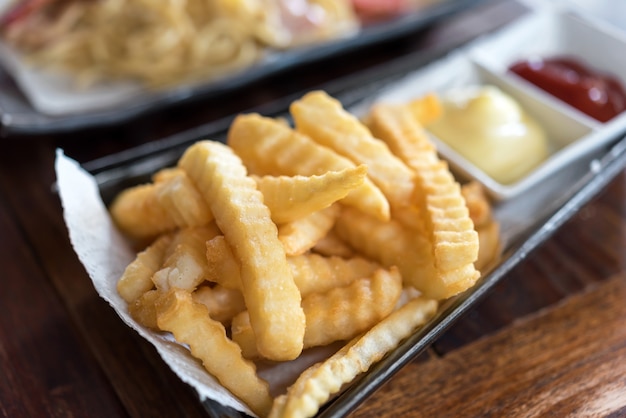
<point>17,116</point>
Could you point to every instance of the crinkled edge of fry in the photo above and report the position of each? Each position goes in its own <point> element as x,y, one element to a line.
<point>293,197</point>
<point>316,384</point>
<point>444,214</point>
<point>271,295</point>
<point>269,147</point>
<point>342,132</point>
<point>191,324</point>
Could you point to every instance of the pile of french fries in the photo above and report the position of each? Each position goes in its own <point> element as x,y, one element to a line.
<point>285,239</point>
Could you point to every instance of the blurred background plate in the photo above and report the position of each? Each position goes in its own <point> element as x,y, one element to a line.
<point>19,116</point>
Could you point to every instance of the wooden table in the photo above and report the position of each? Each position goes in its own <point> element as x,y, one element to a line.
<point>549,339</point>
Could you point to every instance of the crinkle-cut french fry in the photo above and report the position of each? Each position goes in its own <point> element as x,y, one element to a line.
<point>490,246</point>
<point>137,214</point>
<point>443,210</point>
<point>477,203</point>
<point>223,304</point>
<point>137,277</point>
<point>223,267</point>
<point>392,244</point>
<point>338,314</point>
<point>331,245</point>
<point>405,137</point>
<point>294,197</point>
<point>183,202</point>
<point>324,120</point>
<point>191,324</point>
<point>185,264</point>
<point>143,309</point>
<point>271,295</point>
<point>314,273</point>
<point>311,272</point>
<point>301,235</point>
<point>343,312</point>
<point>447,216</point>
<point>316,384</point>
<point>147,210</point>
<point>270,148</point>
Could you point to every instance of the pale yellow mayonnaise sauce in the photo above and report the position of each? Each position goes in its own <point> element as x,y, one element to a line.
<point>492,131</point>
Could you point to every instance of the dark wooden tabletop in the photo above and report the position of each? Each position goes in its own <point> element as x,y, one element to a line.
<point>548,340</point>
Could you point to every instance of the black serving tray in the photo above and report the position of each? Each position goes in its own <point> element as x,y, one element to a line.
<point>546,209</point>
<point>576,185</point>
<point>597,171</point>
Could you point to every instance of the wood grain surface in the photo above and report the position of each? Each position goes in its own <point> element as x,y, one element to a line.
<point>566,360</point>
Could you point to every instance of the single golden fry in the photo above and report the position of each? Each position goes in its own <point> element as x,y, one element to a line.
<point>344,312</point>
<point>293,197</point>
<point>403,134</point>
<point>137,277</point>
<point>301,235</point>
<point>324,120</point>
<point>145,211</point>
<point>223,304</point>
<point>137,214</point>
<point>316,384</point>
<point>183,202</point>
<point>311,272</point>
<point>444,214</point>
<point>271,295</point>
<point>268,147</point>
<point>191,324</point>
<point>339,314</point>
<point>185,264</point>
<point>314,273</point>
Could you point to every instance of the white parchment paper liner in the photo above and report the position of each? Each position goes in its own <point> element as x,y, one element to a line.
<point>105,253</point>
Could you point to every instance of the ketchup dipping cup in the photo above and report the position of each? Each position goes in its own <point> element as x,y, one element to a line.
<point>598,95</point>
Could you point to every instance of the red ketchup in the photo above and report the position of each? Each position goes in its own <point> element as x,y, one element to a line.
<point>600,96</point>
